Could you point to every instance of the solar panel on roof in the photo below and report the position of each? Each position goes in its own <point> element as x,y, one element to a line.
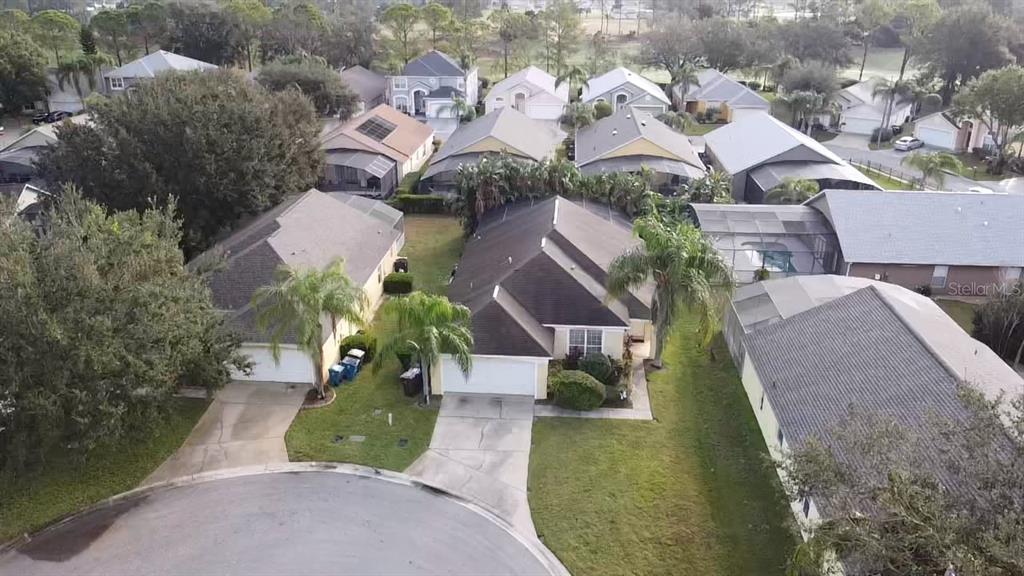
<point>376,128</point>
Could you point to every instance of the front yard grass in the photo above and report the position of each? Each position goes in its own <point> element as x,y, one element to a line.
<point>885,181</point>
<point>975,169</point>
<point>433,245</point>
<point>691,493</point>
<point>65,485</point>
<point>961,312</point>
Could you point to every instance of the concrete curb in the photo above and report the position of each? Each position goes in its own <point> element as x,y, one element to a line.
<point>535,546</point>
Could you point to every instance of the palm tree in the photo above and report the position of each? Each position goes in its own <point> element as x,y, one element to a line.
<point>427,326</point>
<point>791,191</point>
<point>804,103</point>
<point>578,115</point>
<point>83,65</point>
<point>576,77</point>
<point>686,270</point>
<point>933,166</point>
<point>297,302</point>
<point>685,75</point>
<point>715,187</point>
<point>461,109</point>
<point>678,121</point>
<point>889,92</point>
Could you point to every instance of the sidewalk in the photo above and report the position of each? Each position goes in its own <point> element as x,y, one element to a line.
<point>641,399</point>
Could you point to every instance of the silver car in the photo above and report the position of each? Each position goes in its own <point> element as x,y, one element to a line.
<point>907,143</point>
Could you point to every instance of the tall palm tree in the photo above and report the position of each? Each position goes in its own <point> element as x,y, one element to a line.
<point>686,270</point>
<point>791,191</point>
<point>427,326</point>
<point>578,115</point>
<point>933,166</point>
<point>576,77</point>
<point>678,121</point>
<point>685,75</point>
<point>461,109</point>
<point>297,302</point>
<point>81,66</point>
<point>804,104</point>
<point>889,92</point>
<point>715,187</point>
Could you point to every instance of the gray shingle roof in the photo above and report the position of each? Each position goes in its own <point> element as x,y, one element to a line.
<point>433,63</point>
<point>522,135</point>
<point>938,228</point>
<point>157,62</point>
<point>543,263</point>
<point>307,230</point>
<point>713,86</point>
<point>758,138</point>
<point>629,125</point>
<point>612,79</point>
<point>366,83</point>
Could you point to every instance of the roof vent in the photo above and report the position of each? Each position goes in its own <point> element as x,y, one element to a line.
<point>510,260</point>
<point>629,115</point>
<point>959,209</point>
<point>985,223</point>
<point>615,131</point>
<point>643,122</point>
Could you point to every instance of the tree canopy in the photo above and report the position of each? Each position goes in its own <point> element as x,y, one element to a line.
<point>315,79</point>
<point>22,71</point>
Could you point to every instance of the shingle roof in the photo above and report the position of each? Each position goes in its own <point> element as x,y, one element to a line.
<point>433,63</point>
<point>537,77</point>
<point>157,62</point>
<point>523,135</point>
<point>879,350</point>
<point>548,260</point>
<point>366,83</point>
<point>937,228</point>
<point>407,137</point>
<point>307,230</point>
<point>713,86</point>
<point>757,138</point>
<point>629,125</point>
<point>617,77</point>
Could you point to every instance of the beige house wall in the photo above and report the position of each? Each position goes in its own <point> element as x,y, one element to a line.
<point>492,144</point>
<point>641,147</point>
<point>611,341</point>
<point>960,280</point>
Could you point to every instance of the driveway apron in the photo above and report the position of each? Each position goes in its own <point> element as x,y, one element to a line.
<point>244,426</point>
<point>480,450</point>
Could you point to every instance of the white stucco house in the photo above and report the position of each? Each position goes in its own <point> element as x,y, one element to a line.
<point>622,88</point>
<point>860,111</point>
<point>428,87</point>
<point>942,130</point>
<point>530,91</point>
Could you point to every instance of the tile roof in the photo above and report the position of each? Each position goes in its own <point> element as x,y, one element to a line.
<point>937,228</point>
<point>366,83</point>
<point>713,86</point>
<point>307,230</point>
<point>758,138</point>
<point>629,125</point>
<point>433,64</point>
<point>407,137</point>
<point>617,77</point>
<point>157,62</point>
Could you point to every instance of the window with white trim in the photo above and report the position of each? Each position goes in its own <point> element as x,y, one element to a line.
<point>401,104</point>
<point>939,276</point>
<point>116,83</point>
<point>400,82</point>
<point>585,341</point>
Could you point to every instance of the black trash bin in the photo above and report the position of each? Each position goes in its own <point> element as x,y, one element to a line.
<point>412,382</point>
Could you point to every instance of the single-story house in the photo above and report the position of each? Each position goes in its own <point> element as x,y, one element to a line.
<point>902,359</point>
<point>631,139</point>
<point>17,158</point>
<point>622,88</point>
<point>367,85</point>
<point>504,131</point>
<point>860,111</point>
<point>531,91</point>
<point>308,230</point>
<point>759,152</point>
<point>149,66</point>
<point>942,130</point>
<point>371,153</point>
<point>716,90</point>
<point>533,276</point>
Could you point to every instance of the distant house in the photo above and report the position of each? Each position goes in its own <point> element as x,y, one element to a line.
<point>371,153</point>
<point>956,244</point>
<point>367,85</point>
<point>150,66</point>
<point>17,159</point>
<point>942,130</point>
<point>860,111</point>
<point>504,131</point>
<point>632,139</point>
<point>716,90</point>
<point>759,152</point>
<point>531,91</point>
<point>428,87</point>
<point>308,230</point>
<point>533,277</point>
<point>622,88</point>
<point>813,350</point>
<point>28,201</point>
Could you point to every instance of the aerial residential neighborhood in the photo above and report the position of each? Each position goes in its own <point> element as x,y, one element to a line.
<point>622,287</point>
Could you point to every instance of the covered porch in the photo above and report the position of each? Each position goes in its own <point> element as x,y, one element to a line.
<point>359,172</point>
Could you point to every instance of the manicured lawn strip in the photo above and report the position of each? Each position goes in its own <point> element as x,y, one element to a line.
<point>975,169</point>
<point>64,486</point>
<point>433,245</point>
<point>961,312</point>
<point>694,129</point>
<point>690,493</point>
<point>885,181</point>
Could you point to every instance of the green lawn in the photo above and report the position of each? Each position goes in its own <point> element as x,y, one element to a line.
<point>975,169</point>
<point>694,129</point>
<point>65,485</point>
<point>433,245</point>
<point>885,181</point>
<point>690,493</point>
<point>961,312</point>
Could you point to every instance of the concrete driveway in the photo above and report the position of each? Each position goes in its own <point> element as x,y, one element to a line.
<point>244,426</point>
<point>481,450</point>
<point>855,147</point>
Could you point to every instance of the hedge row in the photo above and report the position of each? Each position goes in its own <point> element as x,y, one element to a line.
<point>398,283</point>
<point>420,204</point>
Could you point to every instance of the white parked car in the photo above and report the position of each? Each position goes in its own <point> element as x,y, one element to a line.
<point>907,143</point>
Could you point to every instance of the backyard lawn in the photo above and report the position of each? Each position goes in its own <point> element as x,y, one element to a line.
<point>961,312</point>
<point>690,493</point>
<point>433,245</point>
<point>695,129</point>
<point>884,180</point>
<point>65,485</point>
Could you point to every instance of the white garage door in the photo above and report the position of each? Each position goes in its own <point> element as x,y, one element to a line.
<point>944,139</point>
<point>295,366</point>
<point>545,111</point>
<point>491,376</point>
<point>859,125</point>
<point>741,113</point>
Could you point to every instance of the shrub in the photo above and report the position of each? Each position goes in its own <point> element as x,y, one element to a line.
<point>761,274</point>
<point>577,390</point>
<point>398,283</point>
<point>754,85</point>
<point>602,110</point>
<point>360,341</point>
<point>886,134</point>
<point>420,204</point>
<point>599,366</point>
<point>924,290</point>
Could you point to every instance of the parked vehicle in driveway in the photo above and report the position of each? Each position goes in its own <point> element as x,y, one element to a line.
<point>907,143</point>
<point>51,117</point>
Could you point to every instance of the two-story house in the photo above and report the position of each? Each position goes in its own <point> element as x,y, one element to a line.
<point>428,88</point>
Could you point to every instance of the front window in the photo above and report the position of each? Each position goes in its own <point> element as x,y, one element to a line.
<point>116,83</point>
<point>402,104</point>
<point>583,342</point>
<point>400,83</point>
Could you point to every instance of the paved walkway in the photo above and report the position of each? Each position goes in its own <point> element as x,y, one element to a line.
<point>481,450</point>
<point>244,426</point>
<point>639,396</point>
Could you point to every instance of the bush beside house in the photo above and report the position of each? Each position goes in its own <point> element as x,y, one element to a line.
<point>577,390</point>
<point>398,283</point>
<point>360,341</point>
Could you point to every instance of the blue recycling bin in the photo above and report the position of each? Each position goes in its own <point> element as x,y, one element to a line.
<point>350,364</point>
<point>334,375</point>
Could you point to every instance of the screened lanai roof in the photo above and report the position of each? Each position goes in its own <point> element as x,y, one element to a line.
<point>636,163</point>
<point>376,164</point>
<point>769,176</point>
